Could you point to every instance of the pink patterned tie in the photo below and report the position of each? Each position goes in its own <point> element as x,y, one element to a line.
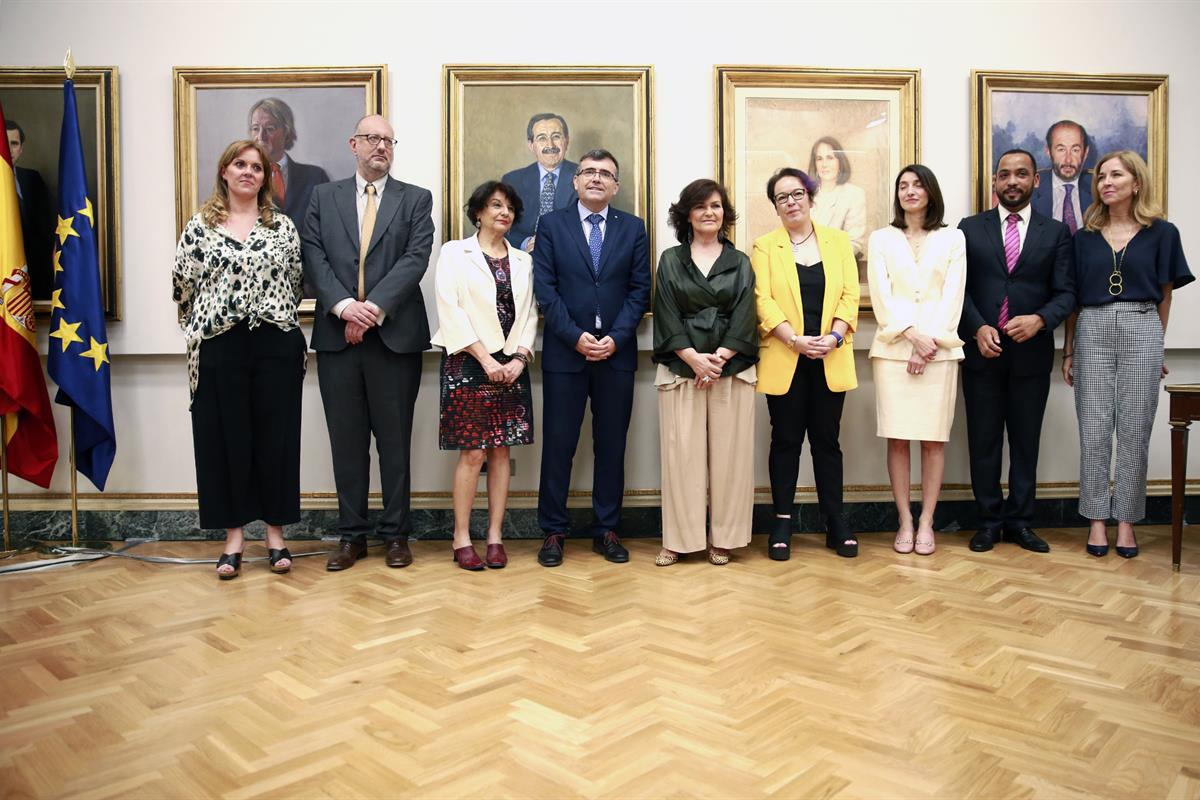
<point>1012,251</point>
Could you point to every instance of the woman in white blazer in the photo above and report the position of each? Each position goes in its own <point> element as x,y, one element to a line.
<point>917,269</point>
<point>487,327</point>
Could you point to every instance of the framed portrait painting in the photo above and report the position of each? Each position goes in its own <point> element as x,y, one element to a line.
<point>851,130</point>
<point>303,117</point>
<point>33,108</point>
<point>517,123</point>
<point>1068,122</point>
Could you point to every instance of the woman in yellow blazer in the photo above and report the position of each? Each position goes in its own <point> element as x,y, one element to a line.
<point>806,290</point>
<point>917,269</point>
<point>487,326</point>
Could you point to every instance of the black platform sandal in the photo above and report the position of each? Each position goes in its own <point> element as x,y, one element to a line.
<point>781,534</point>
<point>839,539</point>
<point>233,560</point>
<point>275,556</point>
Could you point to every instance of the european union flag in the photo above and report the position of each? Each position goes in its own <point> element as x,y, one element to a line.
<point>78,343</point>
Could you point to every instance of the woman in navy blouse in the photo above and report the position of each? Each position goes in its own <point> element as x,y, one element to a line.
<point>1128,260</point>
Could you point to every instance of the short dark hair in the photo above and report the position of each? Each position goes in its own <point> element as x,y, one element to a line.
<point>1062,123</point>
<point>600,154</point>
<point>13,125</point>
<point>809,184</point>
<point>484,191</point>
<point>536,118</point>
<point>696,194</point>
<point>935,212</point>
<point>843,160</point>
<point>1013,152</point>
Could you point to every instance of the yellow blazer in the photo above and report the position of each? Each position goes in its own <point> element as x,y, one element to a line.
<point>777,294</point>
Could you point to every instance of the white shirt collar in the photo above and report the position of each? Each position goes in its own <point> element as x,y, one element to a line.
<point>556,172</point>
<point>1056,183</point>
<point>1025,213</point>
<point>361,183</point>
<point>284,162</point>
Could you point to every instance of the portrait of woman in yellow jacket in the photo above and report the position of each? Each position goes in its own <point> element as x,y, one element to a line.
<point>806,290</point>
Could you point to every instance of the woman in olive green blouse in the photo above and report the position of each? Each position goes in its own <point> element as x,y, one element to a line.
<point>705,346</point>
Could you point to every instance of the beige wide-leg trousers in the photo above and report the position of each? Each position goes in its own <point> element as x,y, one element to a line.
<point>707,441</point>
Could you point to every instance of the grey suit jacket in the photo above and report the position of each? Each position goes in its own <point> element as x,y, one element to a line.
<point>396,261</point>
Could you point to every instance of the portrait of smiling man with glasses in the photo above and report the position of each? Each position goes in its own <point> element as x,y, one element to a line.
<point>591,275</point>
<point>548,183</point>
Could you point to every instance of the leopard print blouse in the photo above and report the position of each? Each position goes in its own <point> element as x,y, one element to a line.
<point>220,281</point>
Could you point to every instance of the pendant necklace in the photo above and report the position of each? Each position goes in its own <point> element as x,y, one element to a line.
<point>797,245</point>
<point>1116,284</point>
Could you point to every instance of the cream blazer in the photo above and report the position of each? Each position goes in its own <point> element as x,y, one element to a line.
<point>466,300</point>
<point>844,206</point>
<point>926,294</point>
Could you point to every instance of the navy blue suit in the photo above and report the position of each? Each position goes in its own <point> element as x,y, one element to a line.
<point>571,296</point>
<point>528,183</point>
<point>1043,196</point>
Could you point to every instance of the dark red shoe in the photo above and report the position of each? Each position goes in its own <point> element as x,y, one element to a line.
<point>467,558</point>
<point>496,558</point>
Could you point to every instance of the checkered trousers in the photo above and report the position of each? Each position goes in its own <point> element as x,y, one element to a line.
<point>1117,369</point>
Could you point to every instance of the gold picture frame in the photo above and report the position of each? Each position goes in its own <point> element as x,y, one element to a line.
<point>33,97</point>
<point>769,117</point>
<point>213,108</point>
<point>1017,109</point>
<point>487,110</point>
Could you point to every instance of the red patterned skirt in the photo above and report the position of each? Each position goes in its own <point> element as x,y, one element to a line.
<point>478,414</point>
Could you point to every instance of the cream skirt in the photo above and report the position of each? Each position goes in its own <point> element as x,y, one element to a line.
<point>915,407</point>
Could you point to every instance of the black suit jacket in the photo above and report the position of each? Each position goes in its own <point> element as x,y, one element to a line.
<point>529,188</point>
<point>396,261</point>
<point>1043,196</point>
<point>570,294</point>
<point>37,231</point>
<point>301,180</point>
<point>1041,283</point>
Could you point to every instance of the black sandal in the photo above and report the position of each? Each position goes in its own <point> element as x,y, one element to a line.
<point>275,556</point>
<point>780,535</point>
<point>839,539</point>
<point>231,559</point>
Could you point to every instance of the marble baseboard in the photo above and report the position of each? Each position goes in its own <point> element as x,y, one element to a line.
<point>952,515</point>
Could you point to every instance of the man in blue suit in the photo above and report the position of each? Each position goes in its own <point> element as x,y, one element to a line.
<point>548,183</point>
<point>1065,190</point>
<point>591,275</point>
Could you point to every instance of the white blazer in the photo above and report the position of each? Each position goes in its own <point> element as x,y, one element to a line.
<point>925,294</point>
<point>466,300</point>
<point>843,206</point>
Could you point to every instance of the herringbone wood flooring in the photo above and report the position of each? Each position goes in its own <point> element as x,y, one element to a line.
<point>1005,674</point>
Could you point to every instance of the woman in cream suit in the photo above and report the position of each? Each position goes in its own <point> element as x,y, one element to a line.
<point>838,203</point>
<point>488,324</point>
<point>916,269</point>
<point>806,291</point>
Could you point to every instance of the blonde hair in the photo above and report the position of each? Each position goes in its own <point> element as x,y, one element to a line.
<point>216,208</point>
<point>1143,209</point>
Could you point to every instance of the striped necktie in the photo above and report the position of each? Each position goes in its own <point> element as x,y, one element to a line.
<point>1012,251</point>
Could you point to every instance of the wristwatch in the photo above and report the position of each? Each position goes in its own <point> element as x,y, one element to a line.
<point>840,339</point>
<point>792,341</point>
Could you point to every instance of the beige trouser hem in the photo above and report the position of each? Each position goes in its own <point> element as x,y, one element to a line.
<point>707,442</point>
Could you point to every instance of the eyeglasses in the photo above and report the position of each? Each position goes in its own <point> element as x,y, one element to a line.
<point>797,195</point>
<point>374,139</point>
<point>592,172</point>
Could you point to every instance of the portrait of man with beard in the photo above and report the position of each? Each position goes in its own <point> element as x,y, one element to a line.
<point>548,183</point>
<point>1064,191</point>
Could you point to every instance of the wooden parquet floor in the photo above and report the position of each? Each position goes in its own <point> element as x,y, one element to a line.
<point>995,675</point>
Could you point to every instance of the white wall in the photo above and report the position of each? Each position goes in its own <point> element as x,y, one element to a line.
<point>683,41</point>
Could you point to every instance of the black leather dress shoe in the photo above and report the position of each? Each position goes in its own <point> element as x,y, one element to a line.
<point>609,545</point>
<point>551,554</point>
<point>1028,540</point>
<point>345,555</point>
<point>398,553</point>
<point>984,540</point>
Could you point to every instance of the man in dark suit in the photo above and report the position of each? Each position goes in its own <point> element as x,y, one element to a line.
<point>1019,288</point>
<point>366,243</point>
<point>591,275</point>
<point>37,217</point>
<point>1065,190</point>
<point>273,125</point>
<point>548,183</point>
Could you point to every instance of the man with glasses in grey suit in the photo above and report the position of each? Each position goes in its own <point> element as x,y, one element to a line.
<point>366,244</point>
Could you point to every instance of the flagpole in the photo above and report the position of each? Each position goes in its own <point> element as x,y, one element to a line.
<point>8,551</point>
<point>74,488</point>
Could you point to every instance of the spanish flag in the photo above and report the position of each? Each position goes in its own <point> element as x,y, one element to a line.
<point>32,443</point>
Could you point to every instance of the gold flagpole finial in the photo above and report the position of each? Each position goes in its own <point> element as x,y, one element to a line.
<point>69,65</point>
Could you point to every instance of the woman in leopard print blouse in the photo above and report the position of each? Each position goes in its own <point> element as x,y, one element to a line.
<point>238,281</point>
